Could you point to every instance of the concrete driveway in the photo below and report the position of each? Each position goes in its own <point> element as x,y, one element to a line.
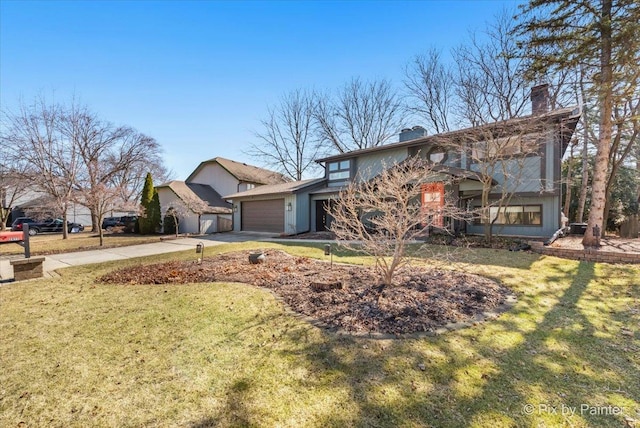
<point>58,261</point>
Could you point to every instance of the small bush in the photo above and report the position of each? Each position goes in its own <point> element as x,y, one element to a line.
<point>169,224</point>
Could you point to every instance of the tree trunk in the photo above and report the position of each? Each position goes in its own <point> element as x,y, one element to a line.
<point>65,228</point>
<point>608,190</point>
<point>567,196</point>
<point>638,175</point>
<point>486,213</point>
<point>95,222</point>
<point>584,185</point>
<point>598,188</point>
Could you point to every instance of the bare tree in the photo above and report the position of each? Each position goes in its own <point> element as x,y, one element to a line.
<point>185,205</point>
<point>361,115</point>
<point>604,37</point>
<point>491,93</point>
<point>498,153</point>
<point>431,89</point>
<point>568,180</point>
<point>37,135</point>
<point>381,216</point>
<point>12,168</point>
<point>287,141</point>
<point>102,199</point>
<point>490,84</point>
<point>109,155</point>
<point>73,156</point>
<point>626,132</point>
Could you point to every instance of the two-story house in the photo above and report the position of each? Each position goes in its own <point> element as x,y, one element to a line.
<point>530,175</point>
<point>197,200</point>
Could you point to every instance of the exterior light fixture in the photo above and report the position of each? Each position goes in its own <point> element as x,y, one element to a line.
<point>235,208</point>
<point>200,250</point>
<point>289,207</point>
<point>328,252</point>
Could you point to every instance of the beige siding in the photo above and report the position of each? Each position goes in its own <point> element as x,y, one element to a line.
<point>188,219</point>
<point>217,177</point>
<point>209,223</point>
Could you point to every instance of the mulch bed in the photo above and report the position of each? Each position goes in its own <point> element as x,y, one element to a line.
<point>344,297</point>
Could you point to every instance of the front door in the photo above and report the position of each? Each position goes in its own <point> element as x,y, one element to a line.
<point>433,203</point>
<point>323,218</point>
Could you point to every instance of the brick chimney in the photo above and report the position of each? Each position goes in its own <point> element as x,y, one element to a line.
<point>540,99</point>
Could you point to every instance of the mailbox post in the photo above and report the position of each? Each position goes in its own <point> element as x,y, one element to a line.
<point>25,240</point>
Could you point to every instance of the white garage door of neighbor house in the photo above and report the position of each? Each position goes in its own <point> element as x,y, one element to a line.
<point>263,216</point>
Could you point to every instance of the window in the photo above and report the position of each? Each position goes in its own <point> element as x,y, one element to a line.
<point>437,156</point>
<point>433,154</point>
<point>506,147</point>
<point>340,170</point>
<point>528,215</point>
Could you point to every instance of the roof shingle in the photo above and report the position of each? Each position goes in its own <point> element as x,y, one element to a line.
<point>244,172</point>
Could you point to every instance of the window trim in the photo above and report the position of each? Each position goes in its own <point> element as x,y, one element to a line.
<point>522,206</point>
<point>520,141</point>
<point>341,170</point>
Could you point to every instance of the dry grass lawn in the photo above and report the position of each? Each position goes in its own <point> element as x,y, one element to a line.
<point>78,354</point>
<point>52,243</point>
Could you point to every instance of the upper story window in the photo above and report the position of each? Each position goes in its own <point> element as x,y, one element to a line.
<point>437,155</point>
<point>503,148</point>
<point>340,170</point>
<point>433,154</point>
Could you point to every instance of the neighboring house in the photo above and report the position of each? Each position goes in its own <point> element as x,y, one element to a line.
<point>198,201</point>
<point>39,205</point>
<point>534,208</point>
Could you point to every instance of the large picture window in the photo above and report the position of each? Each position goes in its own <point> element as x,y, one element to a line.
<point>528,215</point>
<point>340,170</point>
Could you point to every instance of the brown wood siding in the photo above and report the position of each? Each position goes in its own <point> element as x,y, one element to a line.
<point>263,216</point>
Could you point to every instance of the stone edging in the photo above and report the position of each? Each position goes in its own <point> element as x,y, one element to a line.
<point>588,254</point>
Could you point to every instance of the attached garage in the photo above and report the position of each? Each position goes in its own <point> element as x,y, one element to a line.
<point>275,208</point>
<point>263,216</point>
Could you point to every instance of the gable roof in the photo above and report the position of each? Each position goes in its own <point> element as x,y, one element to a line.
<point>568,116</point>
<point>280,188</point>
<point>202,192</point>
<point>243,172</point>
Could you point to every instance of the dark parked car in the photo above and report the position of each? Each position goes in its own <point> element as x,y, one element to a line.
<point>46,226</point>
<point>110,222</point>
<point>127,223</point>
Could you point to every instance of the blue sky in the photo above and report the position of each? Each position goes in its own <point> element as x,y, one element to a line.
<point>198,76</point>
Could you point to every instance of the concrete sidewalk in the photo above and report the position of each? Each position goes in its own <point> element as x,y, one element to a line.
<point>58,261</point>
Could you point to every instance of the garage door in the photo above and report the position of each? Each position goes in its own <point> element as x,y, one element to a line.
<point>263,216</point>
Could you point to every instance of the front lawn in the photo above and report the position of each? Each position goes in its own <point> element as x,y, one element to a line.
<point>75,353</point>
<point>52,243</point>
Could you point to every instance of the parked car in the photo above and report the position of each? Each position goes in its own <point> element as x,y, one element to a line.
<point>127,223</point>
<point>46,226</point>
<point>109,223</point>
